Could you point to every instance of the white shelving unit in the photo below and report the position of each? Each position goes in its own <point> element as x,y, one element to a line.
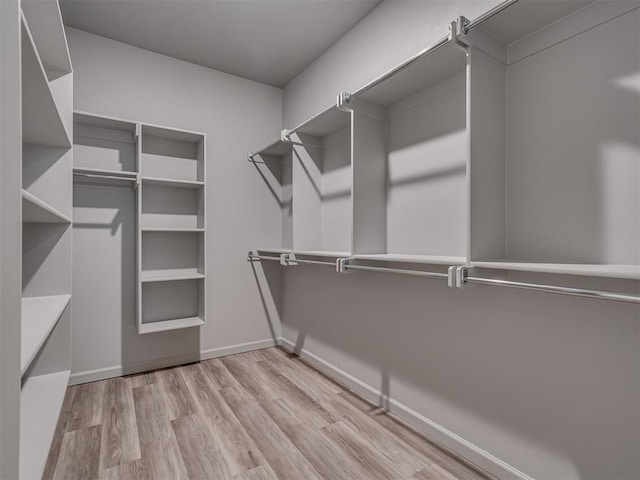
<point>171,237</point>
<point>46,199</point>
<point>166,169</point>
<point>322,183</point>
<point>558,191</point>
<point>274,164</point>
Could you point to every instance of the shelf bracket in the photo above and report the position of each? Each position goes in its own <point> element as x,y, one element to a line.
<point>454,31</point>
<point>288,260</point>
<point>452,277</point>
<point>461,276</point>
<point>342,265</point>
<point>342,102</point>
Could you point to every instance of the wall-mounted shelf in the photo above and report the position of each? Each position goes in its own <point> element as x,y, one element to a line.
<point>41,119</point>
<point>167,182</point>
<point>168,325</point>
<point>35,210</point>
<point>39,317</point>
<point>631,272</point>
<point>170,275</point>
<point>417,259</point>
<point>40,404</point>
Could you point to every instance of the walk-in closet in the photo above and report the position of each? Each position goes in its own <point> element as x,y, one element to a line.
<point>320,240</point>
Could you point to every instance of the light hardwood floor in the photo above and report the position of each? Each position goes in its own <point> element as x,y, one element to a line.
<point>261,415</point>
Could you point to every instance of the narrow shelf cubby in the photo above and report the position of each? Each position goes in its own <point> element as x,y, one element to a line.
<point>172,205</point>
<point>322,181</point>
<point>173,304</point>
<point>274,164</point>
<point>412,175</point>
<point>104,144</point>
<point>172,256</point>
<point>555,103</point>
<point>172,154</point>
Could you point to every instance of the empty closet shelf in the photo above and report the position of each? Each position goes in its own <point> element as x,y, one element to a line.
<point>169,275</point>
<point>41,400</point>
<point>422,259</point>
<point>169,229</point>
<point>631,272</point>
<point>39,317</point>
<point>153,327</point>
<point>35,210</point>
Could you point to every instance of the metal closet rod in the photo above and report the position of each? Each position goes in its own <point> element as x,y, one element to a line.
<point>555,289</point>
<point>401,271</point>
<point>252,257</point>
<point>98,175</point>
<point>310,262</point>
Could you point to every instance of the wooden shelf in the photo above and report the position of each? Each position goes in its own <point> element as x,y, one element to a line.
<point>41,120</point>
<point>35,210</point>
<point>170,275</point>
<point>169,182</point>
<point>593,270</point>
<point>39,317</point>
<point>167,325</point>
<point>422,259</point>
<point>40,405</point>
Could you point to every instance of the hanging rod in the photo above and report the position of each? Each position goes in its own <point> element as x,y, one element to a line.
<point>344,265</point>
<point>112,177</point>
<point>288,260</point>
<point>253,257</point>
<point>464,278</point>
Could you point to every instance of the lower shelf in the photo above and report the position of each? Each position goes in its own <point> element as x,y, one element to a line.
<point>169,275</point>
<point>40,405</point>
<point>631,272</point>
<point>166,325</point>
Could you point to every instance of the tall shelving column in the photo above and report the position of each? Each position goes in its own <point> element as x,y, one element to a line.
<point>171,229</point>
<point>47,162</point>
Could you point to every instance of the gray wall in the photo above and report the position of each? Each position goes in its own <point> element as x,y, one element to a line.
<point>548,384</point>
<point>115,79</point>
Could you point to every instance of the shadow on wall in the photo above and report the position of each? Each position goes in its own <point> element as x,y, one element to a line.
<point>269,280</point>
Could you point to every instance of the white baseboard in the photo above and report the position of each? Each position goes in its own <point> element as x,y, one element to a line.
<point>429,428</point>
<point>146,366</point>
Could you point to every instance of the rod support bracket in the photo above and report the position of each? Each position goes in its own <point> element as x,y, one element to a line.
<point>463,25</point>
<point>285,135</point>
<point>288,259</point>
<point>454,31</point>
<point>461,276</point>
<point>250,156</point>
<point>342,102</point>
<point>342,265</point>
<point>452,276</point>
<point>251,256</point>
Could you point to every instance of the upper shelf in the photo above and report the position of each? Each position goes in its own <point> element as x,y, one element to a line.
<point>35,210</point>
<point>631,272</point>
<point>326,122</point>
<point>41,120</point>
<point>47,29</point>
<point>274,149</point>
<point>168,182</point>
<point>418,259</point>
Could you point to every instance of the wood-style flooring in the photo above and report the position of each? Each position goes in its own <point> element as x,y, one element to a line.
<point>261,415</point>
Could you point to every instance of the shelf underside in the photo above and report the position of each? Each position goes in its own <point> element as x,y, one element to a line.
<point>168,275</point>
<point>596,270</point>
<point>39,317</point>
<point>35,210</point>
<point>163,326</point>
<point>422,259</point>
<point>40,405</point>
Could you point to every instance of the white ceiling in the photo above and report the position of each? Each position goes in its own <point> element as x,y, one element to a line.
<point>269,41</point>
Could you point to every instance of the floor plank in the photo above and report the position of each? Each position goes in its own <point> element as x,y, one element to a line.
<point>79,455</point>
<point>86,406</point>
<point>283,457</point>
<point>175,394</point>
<point>119,443</point>
<point>160,452</point>
<point>56,444</point>
<point>201,452</point>
<point>126,471</point>
<point>258,473</point>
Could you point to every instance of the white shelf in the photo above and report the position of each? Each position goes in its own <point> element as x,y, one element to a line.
<point>169,182</point>
<point>423,259</point>
<point>35,210</point>
<point>170,275</point>
<point>41,120</point>
<point>47,29</point>
<point>274,251</point>
<point>167,325</point>
<point>163,229</point>
<point>39,317</point>
<point>595,270</point>
<point>103,171</point>
<point>41,401</point>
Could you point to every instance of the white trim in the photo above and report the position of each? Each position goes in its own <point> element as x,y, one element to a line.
<point>240,348</point>
<point>148,365</point>
<point>429,428</point>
